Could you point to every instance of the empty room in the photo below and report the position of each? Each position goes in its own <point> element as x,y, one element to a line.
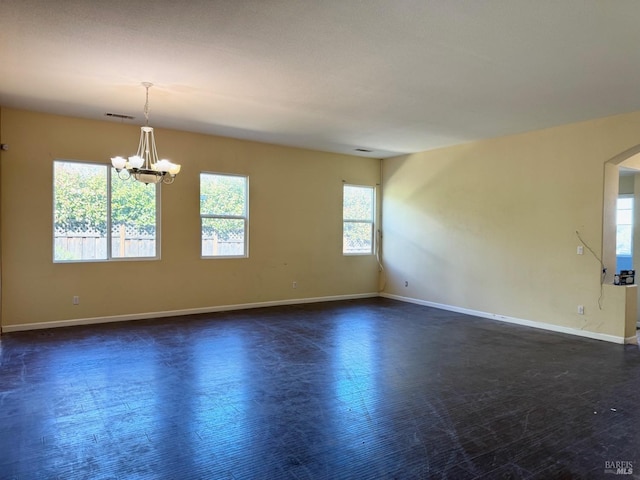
<point>319,239</point>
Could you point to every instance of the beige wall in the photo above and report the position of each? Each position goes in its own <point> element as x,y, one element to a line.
<point>295,225</point>
<point>1,155</point>
<point>490,226</point>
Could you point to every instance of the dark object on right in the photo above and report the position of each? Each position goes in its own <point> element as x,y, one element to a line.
<point>625,277</point>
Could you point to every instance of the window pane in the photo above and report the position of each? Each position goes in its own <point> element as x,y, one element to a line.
<point>80,211</point>
<point>133,218</point>
<point>222,194</point>
<point>358,203</point>
<point>223,237</point>
<point>624,237</point>
<point>625,202</point>
<point>625,217</point>
<point>357,237</point>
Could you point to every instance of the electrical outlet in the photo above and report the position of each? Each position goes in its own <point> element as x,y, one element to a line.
<point>580,250</point>
<point>294,285</point>
<point>581,309</point>
<point>76,300</point>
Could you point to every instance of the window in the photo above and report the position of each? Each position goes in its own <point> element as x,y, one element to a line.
<point>624,233</point>
<point>98,216</point>
<point>624,221</point>
<point>358,213</point>
<point>223,215</point>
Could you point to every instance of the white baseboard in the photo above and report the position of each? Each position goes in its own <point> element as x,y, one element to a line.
<point>297,301</point>
<point>175,313</point>
<point>519,321</point>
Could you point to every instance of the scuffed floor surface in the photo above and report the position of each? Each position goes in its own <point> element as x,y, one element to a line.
<point>365,389</point>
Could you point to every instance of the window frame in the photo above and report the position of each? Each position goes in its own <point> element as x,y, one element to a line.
<point>244,217</point>
<point>109,234</point>
<point>372,222</point>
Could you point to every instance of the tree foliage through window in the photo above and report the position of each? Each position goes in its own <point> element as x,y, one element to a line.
<point>81,209</point>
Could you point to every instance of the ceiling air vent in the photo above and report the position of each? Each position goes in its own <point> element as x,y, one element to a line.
<point>121,116</point>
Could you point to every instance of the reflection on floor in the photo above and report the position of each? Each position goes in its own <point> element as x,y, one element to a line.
<point>366,389</point>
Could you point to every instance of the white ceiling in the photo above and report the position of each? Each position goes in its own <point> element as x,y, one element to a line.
<point>392,76</point>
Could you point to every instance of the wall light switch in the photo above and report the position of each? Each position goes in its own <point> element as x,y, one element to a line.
<point>580,250</point>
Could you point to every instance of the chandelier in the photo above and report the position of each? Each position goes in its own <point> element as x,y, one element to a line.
<point>144,166</point>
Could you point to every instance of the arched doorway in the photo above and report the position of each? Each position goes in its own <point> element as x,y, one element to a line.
<point>629,160</point>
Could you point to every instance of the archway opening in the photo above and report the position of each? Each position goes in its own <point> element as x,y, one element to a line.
<point>621,174</point>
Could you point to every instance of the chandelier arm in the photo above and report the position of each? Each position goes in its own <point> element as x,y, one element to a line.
<point>154,152</point>
<point>148,137</point>
<point>140,151</point>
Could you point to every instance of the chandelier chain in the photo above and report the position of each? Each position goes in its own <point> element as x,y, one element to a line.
<point>146,107</point>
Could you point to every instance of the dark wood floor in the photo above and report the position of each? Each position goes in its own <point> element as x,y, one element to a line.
<point>367,389</point>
